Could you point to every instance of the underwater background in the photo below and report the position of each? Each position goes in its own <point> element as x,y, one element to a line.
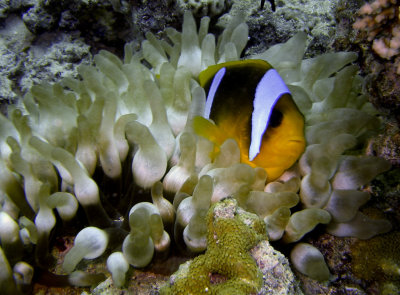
<point>47,41</point>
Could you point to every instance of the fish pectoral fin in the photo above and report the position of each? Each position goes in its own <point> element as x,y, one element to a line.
<point>208,130</point>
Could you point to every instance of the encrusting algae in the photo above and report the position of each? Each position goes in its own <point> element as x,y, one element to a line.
<point>126,129</point>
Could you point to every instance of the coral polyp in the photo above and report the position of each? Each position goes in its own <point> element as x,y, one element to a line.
<point>96,151</point>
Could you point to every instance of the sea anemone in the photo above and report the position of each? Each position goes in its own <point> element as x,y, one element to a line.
<point>123,133</point>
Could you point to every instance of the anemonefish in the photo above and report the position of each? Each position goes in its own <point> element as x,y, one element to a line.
<point>249,102</point>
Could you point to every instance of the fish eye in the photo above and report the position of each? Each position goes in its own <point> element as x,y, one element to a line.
<point>276,118</point>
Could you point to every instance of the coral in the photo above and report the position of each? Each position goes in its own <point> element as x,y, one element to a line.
<point>15,38</point>
<point>378,260</point>
<point>230,236</point>
<point>379,21</point>
<point>204,7</point>
<point>105,142</point>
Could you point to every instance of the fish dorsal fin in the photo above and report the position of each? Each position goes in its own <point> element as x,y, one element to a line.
<point>268,91</point>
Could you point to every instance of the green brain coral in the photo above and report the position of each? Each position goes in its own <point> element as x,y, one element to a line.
<point>125,129</point>
<point>230,236</point>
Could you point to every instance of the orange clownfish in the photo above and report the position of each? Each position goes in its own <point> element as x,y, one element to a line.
<point>249,102</point>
